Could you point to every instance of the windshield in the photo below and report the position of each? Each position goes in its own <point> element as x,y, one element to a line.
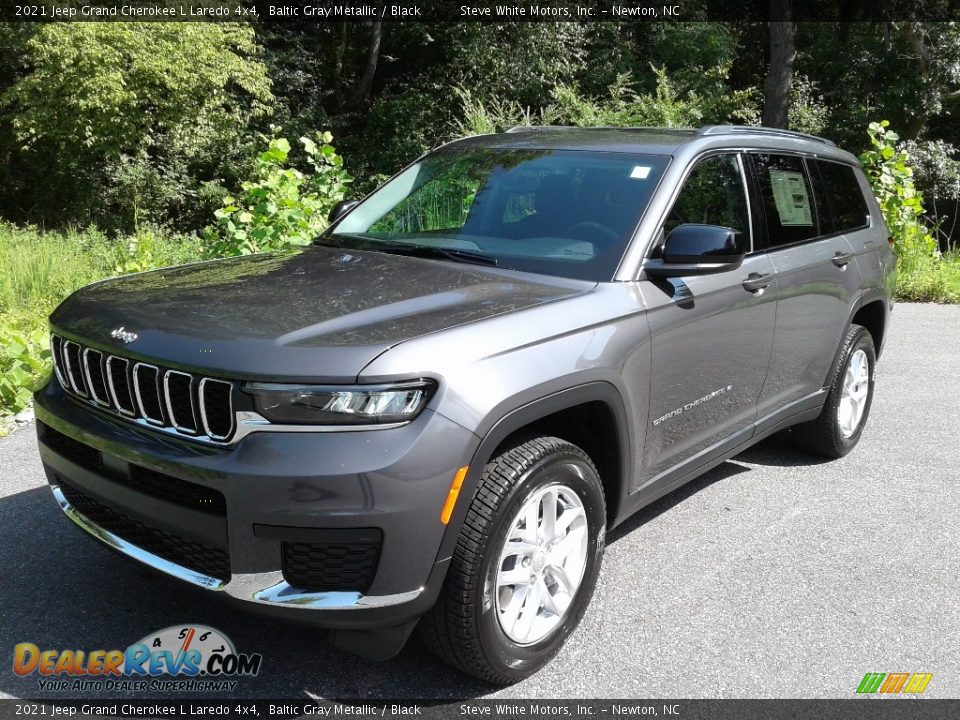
<point>565,213</point>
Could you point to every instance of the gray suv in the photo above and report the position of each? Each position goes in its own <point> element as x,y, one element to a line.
<point>432,416</point>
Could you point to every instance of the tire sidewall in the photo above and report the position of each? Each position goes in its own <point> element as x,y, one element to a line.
<point>860,341</point>
<point>571,470</point>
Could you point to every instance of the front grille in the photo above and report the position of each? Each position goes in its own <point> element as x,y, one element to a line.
<point>214,562</point>
<point>191,405</point>
<point>74,451</point>
<point>319,567</point>
<point>181,492</point>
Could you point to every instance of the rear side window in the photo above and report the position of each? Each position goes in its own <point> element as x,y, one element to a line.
<point>786,197</point>
<point>844,199</point>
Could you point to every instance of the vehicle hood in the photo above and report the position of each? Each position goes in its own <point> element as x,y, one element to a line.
<point>317,313</point>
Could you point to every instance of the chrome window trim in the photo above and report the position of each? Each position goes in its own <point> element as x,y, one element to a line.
<point>136,391</point>
<point>193,411</point>
<point>113,391</point>
<point>203,408</point>
<point>66,358</point>
<point>89,377</point>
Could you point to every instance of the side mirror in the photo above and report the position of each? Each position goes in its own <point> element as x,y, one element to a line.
<point>341,209</point>
<point>699,250</point>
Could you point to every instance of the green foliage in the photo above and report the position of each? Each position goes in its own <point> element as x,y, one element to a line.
<point>39,269</point>
<point>281,206</point>
<point>929,278</point>
<point>623,106</point>
<point>808,112</point>
<point>24,361</point>
<point>891,178</point>
<point>122,121</point>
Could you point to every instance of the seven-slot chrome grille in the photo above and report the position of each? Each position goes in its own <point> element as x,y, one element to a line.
<point>184,403</point>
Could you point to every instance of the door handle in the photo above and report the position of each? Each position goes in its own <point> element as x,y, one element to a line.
<point>841,259</point>
<point>756,282</point>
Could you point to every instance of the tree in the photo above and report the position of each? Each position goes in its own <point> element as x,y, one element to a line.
<point>776,88</point>
<point>122,119</point>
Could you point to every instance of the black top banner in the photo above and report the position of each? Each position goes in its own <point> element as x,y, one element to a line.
<point>624,11</point>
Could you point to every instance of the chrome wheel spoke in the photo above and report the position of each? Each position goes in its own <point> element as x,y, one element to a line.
<point>517,576</point>
<point>549,524</point>
<point>528,613</point>
<point>568,545</point>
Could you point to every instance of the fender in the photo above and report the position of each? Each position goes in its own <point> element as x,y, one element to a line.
<point>863,299</point>
<point>598,391</point>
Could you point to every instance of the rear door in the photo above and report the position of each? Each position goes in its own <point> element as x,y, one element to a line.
<point>711,335</point>
<point>817,278</point>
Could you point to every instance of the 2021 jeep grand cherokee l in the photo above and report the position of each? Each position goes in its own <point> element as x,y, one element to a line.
<point>435,412</point>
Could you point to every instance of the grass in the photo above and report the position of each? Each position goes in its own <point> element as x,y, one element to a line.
<point>924,278</point>
<point>39,269</point>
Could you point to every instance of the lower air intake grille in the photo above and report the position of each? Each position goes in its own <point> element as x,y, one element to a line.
<point>175,490</point>
<point>327,567</point>
<point>74,451</point>
<point>214,562</point>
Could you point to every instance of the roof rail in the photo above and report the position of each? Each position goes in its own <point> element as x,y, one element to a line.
<point>734,129</point>
<point>625,128</point>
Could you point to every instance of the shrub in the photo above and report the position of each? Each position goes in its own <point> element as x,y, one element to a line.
<point>891,178</point>
<point>24,360</point>
<point>281,206</point>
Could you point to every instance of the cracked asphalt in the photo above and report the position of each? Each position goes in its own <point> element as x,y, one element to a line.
<point>774,575</point>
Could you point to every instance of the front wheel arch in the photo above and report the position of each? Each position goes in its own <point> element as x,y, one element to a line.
<point>530,418</point>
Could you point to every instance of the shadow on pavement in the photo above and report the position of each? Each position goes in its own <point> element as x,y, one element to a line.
<point>778,451</point>
<point>61,589</point>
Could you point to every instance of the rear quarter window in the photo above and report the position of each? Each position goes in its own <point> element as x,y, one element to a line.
<point>847,208</point>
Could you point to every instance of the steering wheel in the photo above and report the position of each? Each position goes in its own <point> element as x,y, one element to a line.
<point>587,230</point>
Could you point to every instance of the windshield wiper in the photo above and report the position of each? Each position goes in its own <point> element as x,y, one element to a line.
<point>413,250</point>
<point>441,253</point>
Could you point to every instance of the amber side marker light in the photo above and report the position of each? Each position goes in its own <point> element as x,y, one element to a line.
<point>453,494</point>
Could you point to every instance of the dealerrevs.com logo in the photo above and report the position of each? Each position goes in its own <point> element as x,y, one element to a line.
<point>178,658</point>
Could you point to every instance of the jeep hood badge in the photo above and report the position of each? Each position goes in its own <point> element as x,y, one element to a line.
<point>123,334</point>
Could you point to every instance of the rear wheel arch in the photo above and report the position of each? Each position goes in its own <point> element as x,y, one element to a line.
<point>591,416</point>
<point>869,311</point>
<point>872,315</point>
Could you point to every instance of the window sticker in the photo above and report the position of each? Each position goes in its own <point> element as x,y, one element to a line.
<point>640,172</point>
<point>791,197</point>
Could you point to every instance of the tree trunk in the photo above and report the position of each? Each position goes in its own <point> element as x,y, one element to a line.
<point>373,55</point>
<point>776,88</point>
<point>917,119</point>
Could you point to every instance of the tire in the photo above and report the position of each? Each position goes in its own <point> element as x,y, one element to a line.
<point>471,625</point>
<point>828,435</point>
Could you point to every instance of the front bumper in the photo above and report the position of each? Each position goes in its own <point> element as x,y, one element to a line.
<point>278,489</point>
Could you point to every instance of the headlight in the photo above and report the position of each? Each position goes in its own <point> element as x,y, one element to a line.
<point>349,405</point>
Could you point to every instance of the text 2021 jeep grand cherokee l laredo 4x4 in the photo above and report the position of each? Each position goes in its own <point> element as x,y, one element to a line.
<point>437,411</point>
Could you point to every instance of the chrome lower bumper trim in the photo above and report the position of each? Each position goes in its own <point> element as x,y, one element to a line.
<point>264,588</point>
<point>130,550</point>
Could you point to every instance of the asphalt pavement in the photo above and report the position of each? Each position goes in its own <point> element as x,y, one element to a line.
<point>774,575</point>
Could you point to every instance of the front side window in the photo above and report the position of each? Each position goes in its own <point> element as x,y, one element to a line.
<point>565,213</point>
<point>786,198</point>
<point>713,194</point>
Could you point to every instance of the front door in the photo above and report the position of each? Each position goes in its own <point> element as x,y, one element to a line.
<point>711,335</point>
